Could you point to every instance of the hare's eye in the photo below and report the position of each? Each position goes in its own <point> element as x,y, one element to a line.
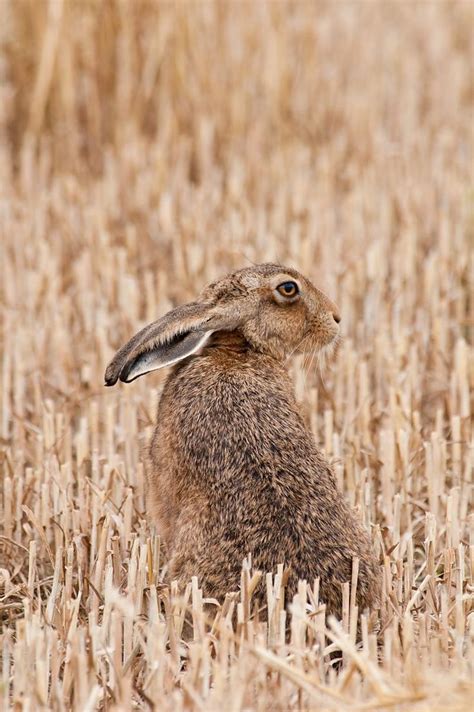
<point>288,289</point>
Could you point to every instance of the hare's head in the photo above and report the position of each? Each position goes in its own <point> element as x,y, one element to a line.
<point>274,309</point>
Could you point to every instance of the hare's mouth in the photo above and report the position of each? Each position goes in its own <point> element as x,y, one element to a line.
<point>319,339</point>
<point>319,354</point>
<point>319,345</point>
<point>330,350</point>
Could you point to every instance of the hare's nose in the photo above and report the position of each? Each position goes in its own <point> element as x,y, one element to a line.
<point>337,317</point>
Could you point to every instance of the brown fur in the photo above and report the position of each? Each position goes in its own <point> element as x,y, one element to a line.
<point>233,468</point>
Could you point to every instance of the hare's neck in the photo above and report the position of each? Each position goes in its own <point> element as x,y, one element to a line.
<point>235,342</point>
<point>228,340</point>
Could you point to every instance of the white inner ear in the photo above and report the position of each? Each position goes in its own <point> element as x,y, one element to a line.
<point>161,357</point>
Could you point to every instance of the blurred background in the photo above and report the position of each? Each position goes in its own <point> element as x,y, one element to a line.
<point>160,144</point>
<point>146,148</point>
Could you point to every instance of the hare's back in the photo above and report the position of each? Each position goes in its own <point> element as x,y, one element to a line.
<point>247,476</point>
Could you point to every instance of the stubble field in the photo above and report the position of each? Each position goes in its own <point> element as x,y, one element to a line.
<point>145,149</point>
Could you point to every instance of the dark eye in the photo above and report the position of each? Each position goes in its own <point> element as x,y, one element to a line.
<point>288,289</point>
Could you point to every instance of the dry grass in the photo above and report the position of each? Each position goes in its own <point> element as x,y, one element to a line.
<point>145,149</point>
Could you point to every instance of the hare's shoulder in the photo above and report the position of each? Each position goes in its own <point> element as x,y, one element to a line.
<point>217,372</point>
<point>246,410</point>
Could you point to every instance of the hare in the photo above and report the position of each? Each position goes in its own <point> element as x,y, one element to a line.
<point>233,468</point>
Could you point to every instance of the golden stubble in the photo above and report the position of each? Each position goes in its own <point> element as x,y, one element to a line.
<point>146,149</point>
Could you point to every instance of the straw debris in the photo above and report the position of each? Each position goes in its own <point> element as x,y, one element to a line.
<point>146,148</point>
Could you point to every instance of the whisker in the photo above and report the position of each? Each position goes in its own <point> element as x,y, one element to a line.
<point>307,362</point>
<point>307,366</point>
<point>321,355</point>
<point>297,346</point>
<point>322,366</point>
<point>311,355</point>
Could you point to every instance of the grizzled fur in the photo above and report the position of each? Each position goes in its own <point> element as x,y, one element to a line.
<point>233,468</point>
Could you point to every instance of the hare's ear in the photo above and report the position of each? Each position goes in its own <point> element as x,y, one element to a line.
<point>182,346</point>
<point>179,334</point>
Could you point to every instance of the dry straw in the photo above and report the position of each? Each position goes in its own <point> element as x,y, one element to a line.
<point>146,148</point>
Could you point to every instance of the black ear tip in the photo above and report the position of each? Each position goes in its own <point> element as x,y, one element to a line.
<point>110,377</point>
<point>116,373</point>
